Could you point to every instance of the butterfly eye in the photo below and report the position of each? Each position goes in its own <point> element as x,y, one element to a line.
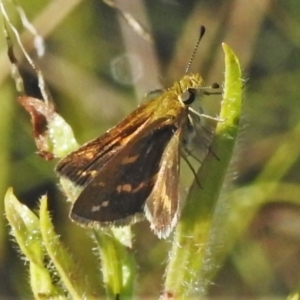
<point>188,96</point>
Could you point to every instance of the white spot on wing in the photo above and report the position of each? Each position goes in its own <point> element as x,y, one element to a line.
<point>96,208</point>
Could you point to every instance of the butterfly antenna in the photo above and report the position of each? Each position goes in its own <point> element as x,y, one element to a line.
<point>201,34</point>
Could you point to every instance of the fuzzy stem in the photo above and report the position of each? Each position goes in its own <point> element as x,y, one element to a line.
<point>192,234</point>
<point>118,264</point>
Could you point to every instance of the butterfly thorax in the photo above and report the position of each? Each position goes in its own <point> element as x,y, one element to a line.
<point>171,103</point>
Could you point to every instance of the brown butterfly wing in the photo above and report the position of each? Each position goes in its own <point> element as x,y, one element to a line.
<point>81,165</point>
<point>117,193</point>
<point>163,205</point>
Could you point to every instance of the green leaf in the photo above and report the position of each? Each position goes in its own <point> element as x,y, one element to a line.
<point>25,228</point>
<point>72,278</point>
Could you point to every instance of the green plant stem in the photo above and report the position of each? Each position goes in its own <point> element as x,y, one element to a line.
<point>192,234</point>
<point>118,264</point>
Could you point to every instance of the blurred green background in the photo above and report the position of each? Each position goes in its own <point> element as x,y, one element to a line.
<point>98,69</point>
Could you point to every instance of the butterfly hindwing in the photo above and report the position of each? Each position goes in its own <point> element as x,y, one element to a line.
<point>118,192</point>
<point>163,204</point>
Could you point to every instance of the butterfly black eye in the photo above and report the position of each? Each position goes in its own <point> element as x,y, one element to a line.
<point>189,96</point>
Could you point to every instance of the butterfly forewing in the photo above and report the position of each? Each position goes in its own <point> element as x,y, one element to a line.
<point>81,165</point>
